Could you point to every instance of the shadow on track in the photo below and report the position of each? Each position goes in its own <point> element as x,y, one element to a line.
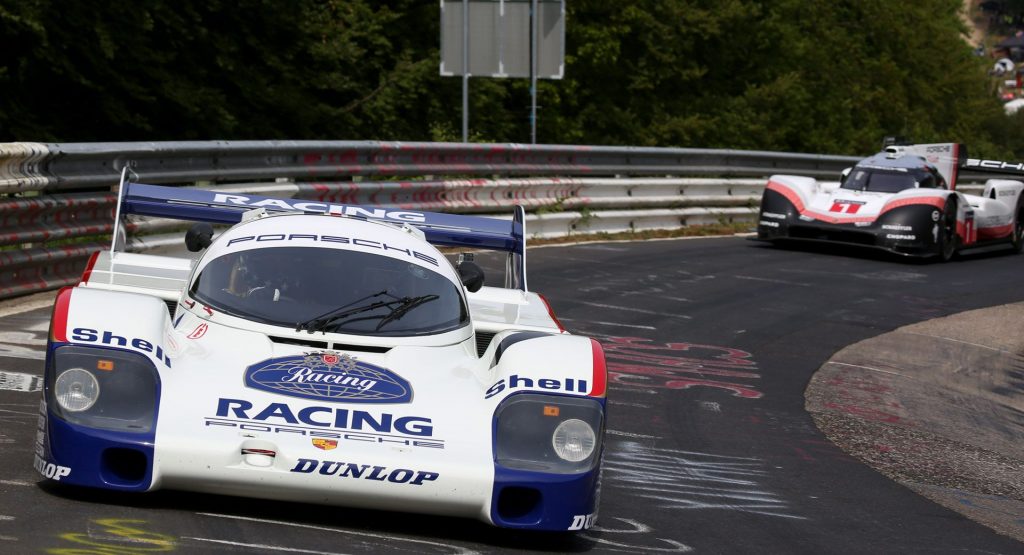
<point>868,253</point>
<point>415,527</point>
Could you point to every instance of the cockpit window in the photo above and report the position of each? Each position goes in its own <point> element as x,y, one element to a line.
<point>359,293</point>
<point>928,181</point>
<point>878,181</point>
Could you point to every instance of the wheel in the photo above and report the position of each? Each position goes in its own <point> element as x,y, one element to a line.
<point>947,230</point>
<point>1017,241</point>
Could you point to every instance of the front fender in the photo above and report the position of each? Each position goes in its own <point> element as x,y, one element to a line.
<point>121,331</point>
<point>112,319</point>
<point>562,364</point>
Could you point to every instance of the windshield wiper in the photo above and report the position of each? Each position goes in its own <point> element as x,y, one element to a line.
<point>399,307</point>
<point>315,321</point>
<point>408,304</point>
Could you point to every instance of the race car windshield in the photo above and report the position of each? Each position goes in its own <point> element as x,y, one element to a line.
<point>878,181</point>
<point>373,294</point>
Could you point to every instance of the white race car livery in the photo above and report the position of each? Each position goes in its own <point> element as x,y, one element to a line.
<point>324,353</point>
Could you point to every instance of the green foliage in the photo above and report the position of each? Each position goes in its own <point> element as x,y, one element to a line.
<point>830,76</point>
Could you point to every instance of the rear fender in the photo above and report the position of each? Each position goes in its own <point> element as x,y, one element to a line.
<point>559,364</point>
<point>1006,191</point>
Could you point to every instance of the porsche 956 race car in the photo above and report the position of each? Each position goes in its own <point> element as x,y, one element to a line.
<point>324,353</point>
<point>902,200</point>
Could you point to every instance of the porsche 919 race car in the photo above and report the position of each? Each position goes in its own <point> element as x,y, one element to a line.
<point>323,353</point>
<point>902,200</point>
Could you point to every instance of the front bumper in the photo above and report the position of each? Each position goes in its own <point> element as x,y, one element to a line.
<point>83,456</point>
<point>907,231</point>
<point>298,472</point>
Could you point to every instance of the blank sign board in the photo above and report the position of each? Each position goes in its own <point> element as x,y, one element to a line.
<point>499,38</point>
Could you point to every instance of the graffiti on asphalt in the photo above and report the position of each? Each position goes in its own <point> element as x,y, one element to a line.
<point>675,479</point>
<point>637,362</point>
<point>115,536</point>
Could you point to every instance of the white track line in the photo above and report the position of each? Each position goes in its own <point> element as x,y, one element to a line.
<point>263,547</point>
<point>459,550</point>
<point>26,307</point>
<point>640,310</point>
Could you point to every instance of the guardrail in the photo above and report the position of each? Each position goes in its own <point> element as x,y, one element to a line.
<point>65,167</point>
<point>59,206</point>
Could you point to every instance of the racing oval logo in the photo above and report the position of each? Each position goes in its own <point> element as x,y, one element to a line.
<point>327,376</point>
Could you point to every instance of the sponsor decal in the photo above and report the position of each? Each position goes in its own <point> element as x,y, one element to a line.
<point>324,443</point>
<point>900,237</point>
<point>861,224</point>
<point>773,215</point>
<point>305,237</point>
<point>324,417</point>
<point>893,227</point>
<point>50,470</point>
<point>328,376</point>
<point>567,385</point>
<point>320,207</point>
<point>994,164</point>
<point>41,431</point>
<point>364,472</point>
<point>935,215</point>
<point>766,223</point>
<point>582,522</point>
<point>363,437</point>
<point>846,206</point>
<point>938,148</point>
<point>1006,192</point>
<point>199,331</point>
<point>87,335</point>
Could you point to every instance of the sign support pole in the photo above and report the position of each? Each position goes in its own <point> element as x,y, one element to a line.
<point>534,20</point>
<point>465,71</point>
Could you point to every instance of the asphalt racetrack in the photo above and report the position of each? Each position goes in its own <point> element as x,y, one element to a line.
<point>711,344</point>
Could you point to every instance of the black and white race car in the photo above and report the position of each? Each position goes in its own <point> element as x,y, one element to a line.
<point>902,200</point>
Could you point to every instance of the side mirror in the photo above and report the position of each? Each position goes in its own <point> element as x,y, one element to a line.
<point>472,276</point>
<point>844,175</point>
<point>198,237</point>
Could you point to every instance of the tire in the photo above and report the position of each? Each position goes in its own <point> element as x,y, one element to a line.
<point>1017,241</point>
<point>947,230</point>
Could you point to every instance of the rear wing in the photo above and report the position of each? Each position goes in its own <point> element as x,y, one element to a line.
<point>995,167</point>
<point>951,158</point>
<point>449,230</point>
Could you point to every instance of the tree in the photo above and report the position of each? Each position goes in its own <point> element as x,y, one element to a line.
<point>830,76</point>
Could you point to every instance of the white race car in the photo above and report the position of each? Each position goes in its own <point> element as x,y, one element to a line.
<point>902,200</point>
<point>324,353</point>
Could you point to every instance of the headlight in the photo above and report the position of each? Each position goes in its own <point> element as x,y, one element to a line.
<point>548,433</point>
<point>573,440</point>
<point>103,388</point>
<point>76,390</point>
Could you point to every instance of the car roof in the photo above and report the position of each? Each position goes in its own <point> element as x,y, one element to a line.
<point>898,163</point>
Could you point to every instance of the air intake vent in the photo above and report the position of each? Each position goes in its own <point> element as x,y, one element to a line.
<point>302,342</point>
<point>483,339</point>
<point>171,307</point>
<point>327,345</point>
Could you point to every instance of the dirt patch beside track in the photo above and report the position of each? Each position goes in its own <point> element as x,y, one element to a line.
<point>938,407</point>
